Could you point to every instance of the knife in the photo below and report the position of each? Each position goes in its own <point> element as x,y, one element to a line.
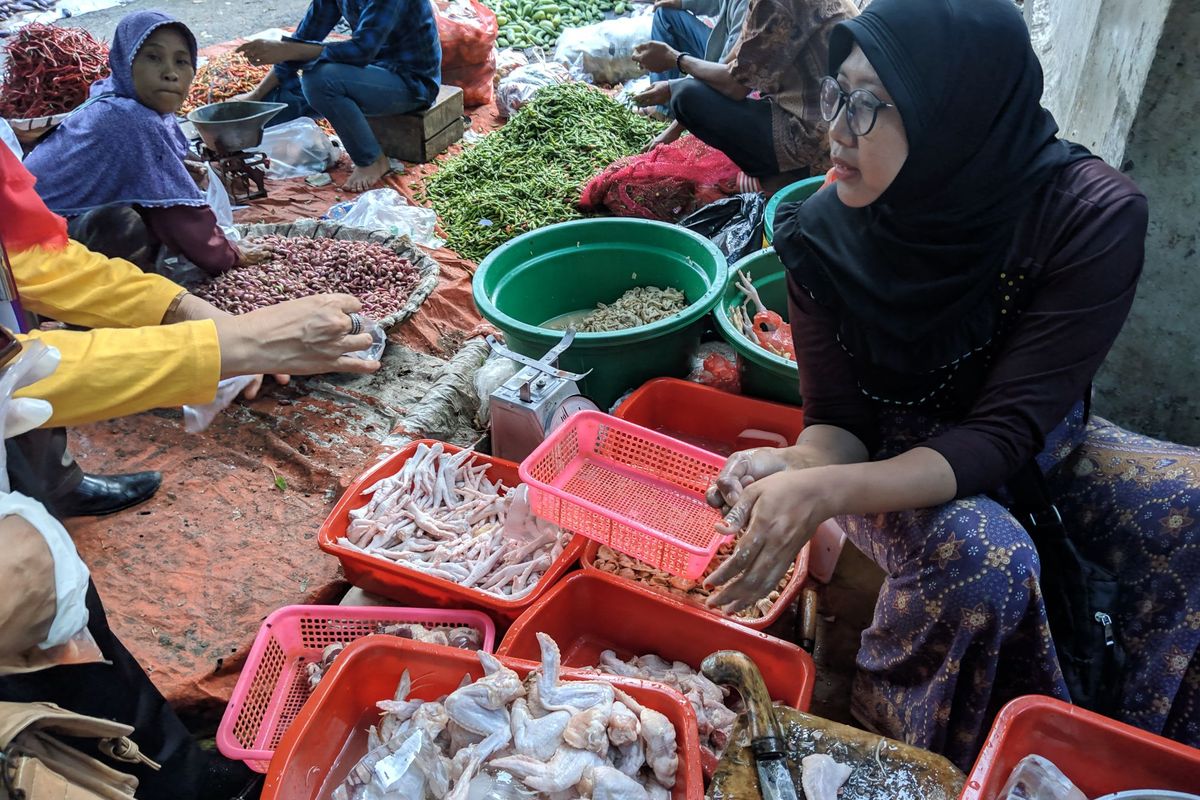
<point>737,670</point>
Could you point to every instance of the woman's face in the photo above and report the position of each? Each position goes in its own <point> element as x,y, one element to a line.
<point>162,70</point>
<point>865,166</point>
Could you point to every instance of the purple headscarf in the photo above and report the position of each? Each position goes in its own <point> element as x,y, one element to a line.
<point>114,150</point>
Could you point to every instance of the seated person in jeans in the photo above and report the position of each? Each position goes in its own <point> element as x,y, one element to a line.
<point>392,64</point>
<point>779,138</point>
<point>677,25</point>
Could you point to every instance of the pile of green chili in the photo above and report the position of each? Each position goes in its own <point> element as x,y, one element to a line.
<point>528,174</point>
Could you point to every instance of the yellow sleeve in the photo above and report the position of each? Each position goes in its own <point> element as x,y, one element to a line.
<point>79,287</point>
<point>111,372</point>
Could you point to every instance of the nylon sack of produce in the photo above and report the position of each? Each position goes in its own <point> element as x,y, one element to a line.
<point>475,80</point>
<point>665,184</point>
<point>468,31</point>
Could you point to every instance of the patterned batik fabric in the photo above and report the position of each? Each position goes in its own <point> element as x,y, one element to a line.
<point>960,626</point>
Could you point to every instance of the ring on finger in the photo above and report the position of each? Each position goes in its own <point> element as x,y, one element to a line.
<point>355,324</point>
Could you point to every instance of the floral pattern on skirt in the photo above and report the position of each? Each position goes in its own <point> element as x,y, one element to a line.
<point>960,626</point>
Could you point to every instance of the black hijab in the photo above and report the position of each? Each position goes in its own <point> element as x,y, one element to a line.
<point>915,275</point>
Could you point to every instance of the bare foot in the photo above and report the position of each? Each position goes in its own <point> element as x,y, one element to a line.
<point>363,178</point>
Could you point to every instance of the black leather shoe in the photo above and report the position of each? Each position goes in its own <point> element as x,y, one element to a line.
<point>97,495</point>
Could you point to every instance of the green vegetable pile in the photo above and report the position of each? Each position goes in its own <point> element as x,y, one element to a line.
<point>526,23</point>
<point>528,174</point>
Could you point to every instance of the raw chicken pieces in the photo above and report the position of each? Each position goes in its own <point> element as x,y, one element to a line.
<point>714,718</point>
<point>537,738</point>
<point>442,516</point>
<point>821,776</point>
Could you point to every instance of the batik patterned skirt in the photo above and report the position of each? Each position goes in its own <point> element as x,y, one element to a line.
<point>960,626</point>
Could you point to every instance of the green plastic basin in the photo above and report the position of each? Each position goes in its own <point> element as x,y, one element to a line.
<point>573,266</point>
<point>764,374</point>
<point>800,190</point>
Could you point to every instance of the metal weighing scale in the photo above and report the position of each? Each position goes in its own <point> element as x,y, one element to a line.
<point>535,401</point>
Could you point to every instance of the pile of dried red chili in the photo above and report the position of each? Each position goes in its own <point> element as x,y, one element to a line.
<point>49,70</point>
<point>223,77</point>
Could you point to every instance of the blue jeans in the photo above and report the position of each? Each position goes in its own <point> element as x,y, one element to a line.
<point>683,31</point>
<point>346,95</point>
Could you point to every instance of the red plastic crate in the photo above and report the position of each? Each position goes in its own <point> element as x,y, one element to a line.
<point>637,491</point>
<point>273,686</point>
<point>706,417</point>
<point>678,632</point>
<point>786,597</point>
<point>402,584</point>
<point>328,737</point>
<point>1098,754</point>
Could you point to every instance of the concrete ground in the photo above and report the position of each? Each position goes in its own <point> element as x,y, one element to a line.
<point>212,21</point>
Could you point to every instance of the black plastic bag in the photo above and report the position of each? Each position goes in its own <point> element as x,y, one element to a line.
<point>734,224</point>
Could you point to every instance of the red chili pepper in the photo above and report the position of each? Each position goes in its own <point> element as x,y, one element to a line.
<point>50,70</point>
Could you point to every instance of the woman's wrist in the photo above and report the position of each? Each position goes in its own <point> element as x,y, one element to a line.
<point>186,307</point>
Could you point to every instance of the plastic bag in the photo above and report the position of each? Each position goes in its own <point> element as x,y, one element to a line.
<point>716,364</point>
<point>523,83</point>
<point>378,341</point>
<point>9,137</point>
<point>603,53</point>
<point>490,377</point>
<point>1036,778</point>
<point>474,79</point>
<point>297,149</point>
<point>508,60</point>
<point>631,89</point>
<point>468,31</point>
<point>218,200</point>
<point>388,211</point>
<point>734,224</point>
<point>36,361</point>
<point>197,418</point>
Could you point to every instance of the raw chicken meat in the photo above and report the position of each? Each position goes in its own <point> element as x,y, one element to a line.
<point>442,516</point>
<point>714,719</point>
<point>821,776</point>
<point>463,637</point>
<point>499,736</point>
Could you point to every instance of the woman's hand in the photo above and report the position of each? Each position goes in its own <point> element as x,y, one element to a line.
<point>249,255</point>
<point>779,514</point>
<point>199,172</point>
<point>309,336</point>
<point>255,386</point>
<point>659,94</point>
<point>744,468</point>
<point>672,132</point>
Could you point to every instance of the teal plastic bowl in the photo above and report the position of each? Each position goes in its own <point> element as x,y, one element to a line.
<point>572,266</point>
<point>764,374</point>
<point>800,190</point>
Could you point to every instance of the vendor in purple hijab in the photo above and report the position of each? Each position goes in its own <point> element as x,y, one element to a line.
<point>117,168</point>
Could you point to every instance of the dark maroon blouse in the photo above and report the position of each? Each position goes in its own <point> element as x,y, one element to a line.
<point>192,232</point>
<point>1082,247</point>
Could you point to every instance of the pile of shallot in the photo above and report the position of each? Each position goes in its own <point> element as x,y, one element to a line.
<point>301,266</point>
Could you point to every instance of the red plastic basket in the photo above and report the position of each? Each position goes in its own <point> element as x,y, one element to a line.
<point>273,686</point>
<point>402,584</point>
<point>680,633</point>
<point>328,737</point>
<point>786,597</point>
<point>1099,755</point>
<point>635,490</point>
<point>706,417</point>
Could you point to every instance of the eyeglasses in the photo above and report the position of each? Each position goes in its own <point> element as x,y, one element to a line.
<point>862,107</point>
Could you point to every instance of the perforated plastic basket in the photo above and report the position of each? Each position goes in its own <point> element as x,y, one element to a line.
<point>633,489</point>
<point>273,686</point>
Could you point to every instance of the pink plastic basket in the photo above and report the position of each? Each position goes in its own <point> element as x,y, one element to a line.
<point>273,686</point>
<point>633,489</point>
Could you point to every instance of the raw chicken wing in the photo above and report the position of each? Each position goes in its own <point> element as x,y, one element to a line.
<point>822,776</point>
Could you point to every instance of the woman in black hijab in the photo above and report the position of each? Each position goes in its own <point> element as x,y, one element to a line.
<point>952,296</point>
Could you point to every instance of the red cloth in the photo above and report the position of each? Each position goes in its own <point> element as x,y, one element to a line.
<point>25,221</point>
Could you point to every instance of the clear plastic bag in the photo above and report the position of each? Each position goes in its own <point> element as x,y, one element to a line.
<point>603,53</point>
<point>490,377</point>
<point>388,211</point>
<point>378,341</point>
<point>1036,778</point>
<point>218,200</point>
<point>508,60</point>
<point>716,364</point>
<point>523,83</point>
<point>298,149</point>
<point>196,419</point>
